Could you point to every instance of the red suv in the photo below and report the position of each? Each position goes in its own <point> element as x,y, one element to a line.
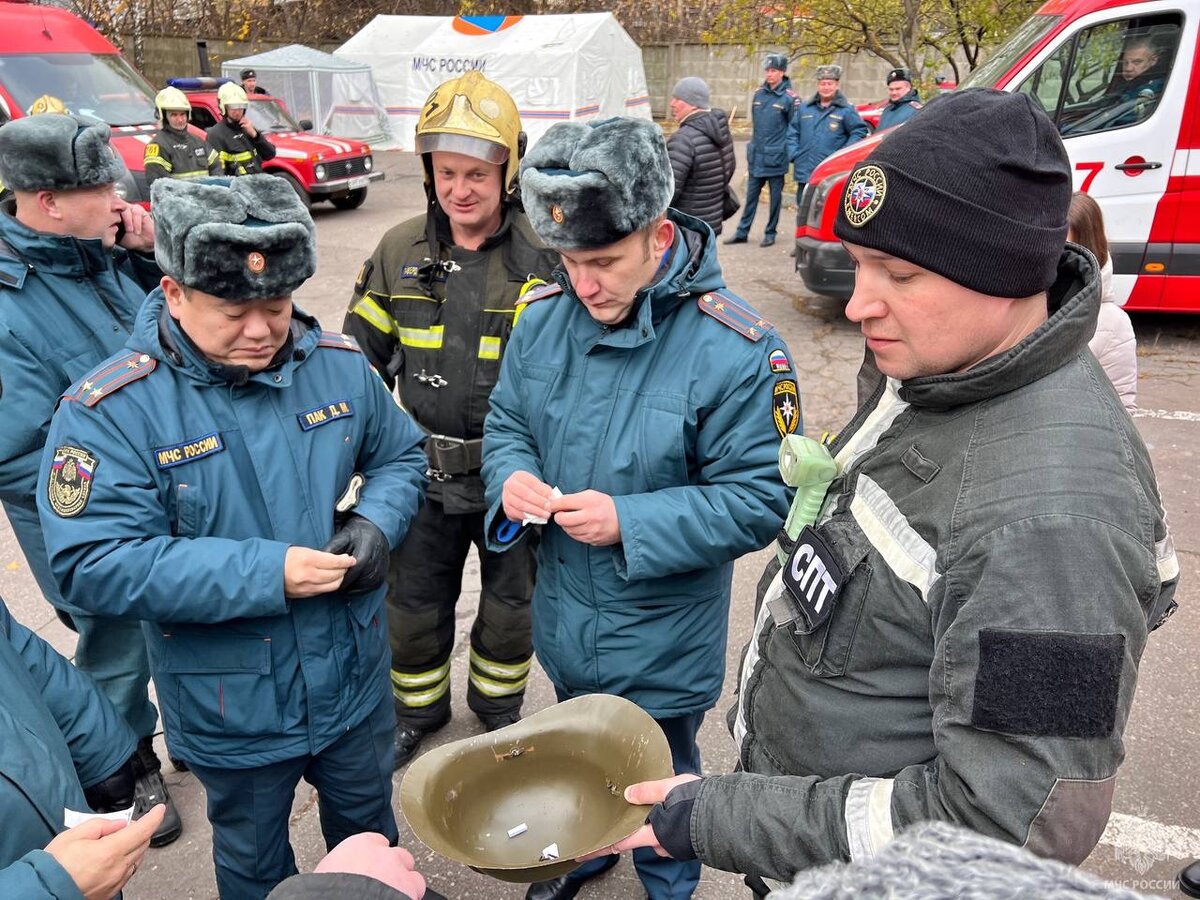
<point>318,167</point>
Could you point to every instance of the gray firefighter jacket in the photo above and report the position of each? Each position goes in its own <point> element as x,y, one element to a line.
<point>1003,554</point>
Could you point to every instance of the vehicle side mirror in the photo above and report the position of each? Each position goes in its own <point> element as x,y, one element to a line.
<point>306,125</point>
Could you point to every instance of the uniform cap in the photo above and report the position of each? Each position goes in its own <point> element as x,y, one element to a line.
<point>57,152</point>
<point>240,239</point>
<point>899,75</point>
<point>976,188</point>
<point>587,186</point>
<point>834,72</point>
<point>775,61</point>
<point>248,73</point>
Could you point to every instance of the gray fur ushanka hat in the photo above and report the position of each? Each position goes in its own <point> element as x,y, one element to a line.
<point>240,239</point>
<point>588,186</point>
<point>54,152</point>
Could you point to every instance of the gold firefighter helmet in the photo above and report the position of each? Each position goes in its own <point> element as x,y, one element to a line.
<point>477,118</point>
<point>47,103</point>
<point>171,99</point>
<point>230,94</point>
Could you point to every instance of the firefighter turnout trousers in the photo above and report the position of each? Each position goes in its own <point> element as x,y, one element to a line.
<point>425,581</point>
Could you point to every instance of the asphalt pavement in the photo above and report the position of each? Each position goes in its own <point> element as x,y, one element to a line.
<point>1155,827</point>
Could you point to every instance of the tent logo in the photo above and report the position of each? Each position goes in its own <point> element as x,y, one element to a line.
<point>479,25</point>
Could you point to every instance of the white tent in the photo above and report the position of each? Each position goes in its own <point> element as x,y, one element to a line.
<point>337,94</point>
<point>582,66</point>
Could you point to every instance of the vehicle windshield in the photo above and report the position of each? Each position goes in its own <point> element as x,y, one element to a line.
<point>1032,31</point>
<point>270,116</point>
<point>103,86</point>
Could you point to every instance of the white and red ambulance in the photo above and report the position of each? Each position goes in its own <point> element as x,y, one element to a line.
<point>1119,78</point>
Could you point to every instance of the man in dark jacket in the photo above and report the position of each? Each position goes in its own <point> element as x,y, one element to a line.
<point>701,153</point>
<point>956,635</point>
<point>766,157</point>
<point>433,309</point>
<point>903,100</point>
<point>174,152</point>
<point>240,146</point>
<point>824,124</point>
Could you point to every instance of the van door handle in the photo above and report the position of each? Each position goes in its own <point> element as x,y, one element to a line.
<point>1137,167</point>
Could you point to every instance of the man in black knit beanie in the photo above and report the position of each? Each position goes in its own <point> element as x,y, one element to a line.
<point>956,636</point>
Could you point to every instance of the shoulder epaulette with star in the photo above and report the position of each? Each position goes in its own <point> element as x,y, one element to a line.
<point>110,377</point>
<point>338,341</point>
<point>541,292</point>
<point>734,313</point>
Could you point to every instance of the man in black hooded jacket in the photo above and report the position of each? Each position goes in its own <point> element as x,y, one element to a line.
<point>701,153</point>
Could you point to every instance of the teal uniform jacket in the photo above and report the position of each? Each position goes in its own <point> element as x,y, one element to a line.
<point>172,495</point>
<point>771,113</point>
<point>65,305</point>
<point>58,734</point>
<point>817,132</point>
<point>673,415</point>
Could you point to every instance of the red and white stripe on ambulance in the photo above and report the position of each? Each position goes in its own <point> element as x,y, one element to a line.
<point>1139,157</point>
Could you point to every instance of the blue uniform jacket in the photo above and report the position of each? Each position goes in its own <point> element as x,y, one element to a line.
<point>672,416</point>
<point>901,110</point>
<point>65,305</point>
<point>772,110</point>
<point>818,131</point>
<point>58,734</point>
<point>197,488</point>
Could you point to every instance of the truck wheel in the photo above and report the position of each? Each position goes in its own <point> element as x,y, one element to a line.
<point>353,200</point>
<point>298,188</point>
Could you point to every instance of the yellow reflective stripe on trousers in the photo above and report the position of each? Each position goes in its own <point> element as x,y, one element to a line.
<point>415,689</point>
<point>407,680</point>
<point>499,670</point>
<point>490,688</point>
<point>426,338</point>
<point>489,347</point>
<point>375,314</point>
<point>415,699</point>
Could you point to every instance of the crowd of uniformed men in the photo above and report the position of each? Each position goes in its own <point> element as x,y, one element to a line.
<point>218,493</point>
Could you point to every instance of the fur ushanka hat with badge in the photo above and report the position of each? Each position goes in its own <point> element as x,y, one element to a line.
<point>240,239</point>
<point>54,152</point>
<point>588,186</point>
<point>976,189</point>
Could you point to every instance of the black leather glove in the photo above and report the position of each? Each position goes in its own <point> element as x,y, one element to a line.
<point>365,542</point>
<point>114,792</point>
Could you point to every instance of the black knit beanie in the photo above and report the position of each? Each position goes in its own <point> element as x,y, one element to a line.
<point>976,188</point>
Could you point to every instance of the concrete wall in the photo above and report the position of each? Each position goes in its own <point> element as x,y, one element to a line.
<point>168,57</point>
<point>733,76</point>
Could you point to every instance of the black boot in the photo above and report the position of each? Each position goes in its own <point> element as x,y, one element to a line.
<point>564,887</point>
<point>501,720</point>
<point>1189,880</point>
<point>149,790</point>
<point>409,735</point>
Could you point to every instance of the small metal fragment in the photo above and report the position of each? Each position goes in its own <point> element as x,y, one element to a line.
<point>550,852</point>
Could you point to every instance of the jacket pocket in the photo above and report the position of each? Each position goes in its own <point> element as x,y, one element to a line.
<point>775,158</point>
<point>370,638</point>
<point>663,452</point>
<point>826,649</point>
<point>224,683</point>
